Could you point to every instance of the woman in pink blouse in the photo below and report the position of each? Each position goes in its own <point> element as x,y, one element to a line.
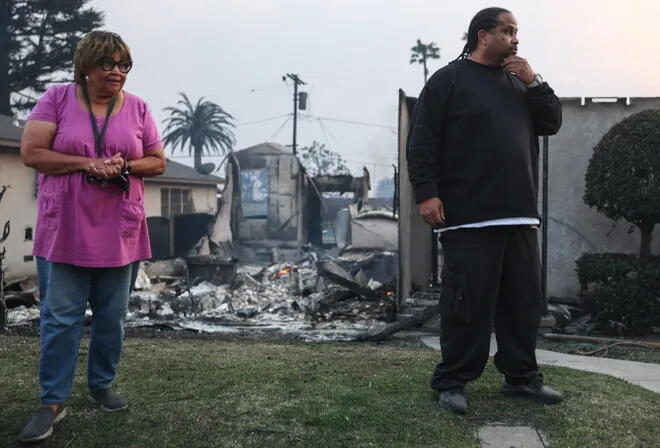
<point>92,143</point>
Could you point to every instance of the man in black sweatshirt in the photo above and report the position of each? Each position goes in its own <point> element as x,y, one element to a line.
<point>473,163</point>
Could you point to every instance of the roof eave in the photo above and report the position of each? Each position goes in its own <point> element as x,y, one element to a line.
<point>174,180</point>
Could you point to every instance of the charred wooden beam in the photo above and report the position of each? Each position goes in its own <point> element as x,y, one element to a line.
<point>414,320</point>
<point>340,183</point>
<point>335,273</point>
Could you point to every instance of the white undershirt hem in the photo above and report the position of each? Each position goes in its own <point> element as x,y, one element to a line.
<point>495,222</point>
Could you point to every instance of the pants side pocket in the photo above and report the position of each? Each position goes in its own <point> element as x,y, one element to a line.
<point>453,302</point>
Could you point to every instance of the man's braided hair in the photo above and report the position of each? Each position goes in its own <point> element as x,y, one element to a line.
<point>486,19</point>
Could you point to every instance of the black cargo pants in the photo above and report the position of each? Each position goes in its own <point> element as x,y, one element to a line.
<point>489,274</point>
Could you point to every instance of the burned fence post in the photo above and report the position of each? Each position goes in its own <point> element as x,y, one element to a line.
<point>414,245</point>
<point>3,251</point>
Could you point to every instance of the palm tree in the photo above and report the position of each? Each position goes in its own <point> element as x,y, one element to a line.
<point>423,52</point>
<point>205,126</point>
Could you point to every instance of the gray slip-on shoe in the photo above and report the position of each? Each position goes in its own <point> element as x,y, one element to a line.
<point>453,400</point>
<point>108,400</point>
<point>535,391</point>
<point>40,426</point>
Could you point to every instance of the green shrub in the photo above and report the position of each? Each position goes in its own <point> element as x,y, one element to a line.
<point>623,177</point>
<point>621,291</point>
<point>603,268</point>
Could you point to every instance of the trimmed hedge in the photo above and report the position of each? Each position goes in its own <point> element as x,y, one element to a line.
<point>621,291</point>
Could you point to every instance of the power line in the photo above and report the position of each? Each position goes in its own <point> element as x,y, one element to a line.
<point>361,162</point>
<point>325,135</point>
<point>247,123</point>
<point>280,128</point>
<point>359,123</point>
<point>329,132</point>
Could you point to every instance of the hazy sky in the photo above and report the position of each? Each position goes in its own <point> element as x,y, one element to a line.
<point>354,56</point>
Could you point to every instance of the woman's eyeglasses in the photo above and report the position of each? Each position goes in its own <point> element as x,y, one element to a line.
<point>108,65</point>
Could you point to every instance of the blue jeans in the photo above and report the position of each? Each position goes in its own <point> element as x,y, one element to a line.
<point>66,290</point>
<point>43,267</point>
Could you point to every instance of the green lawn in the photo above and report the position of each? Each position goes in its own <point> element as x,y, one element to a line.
<point>204,393</point>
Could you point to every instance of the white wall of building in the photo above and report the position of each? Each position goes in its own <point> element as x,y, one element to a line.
<point>18,206</point>
<point>204,197</point>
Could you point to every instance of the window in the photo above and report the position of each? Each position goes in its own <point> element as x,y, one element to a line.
<point>176,201</point>
<point>254,193</point>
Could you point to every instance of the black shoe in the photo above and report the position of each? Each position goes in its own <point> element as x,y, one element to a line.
<point>453,400</point>
<point>534,391</point>
<point>108,400</point>
<point>40,426</point>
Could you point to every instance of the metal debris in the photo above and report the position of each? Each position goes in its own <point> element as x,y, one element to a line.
<point>318,298</point>
<point>300,300</point>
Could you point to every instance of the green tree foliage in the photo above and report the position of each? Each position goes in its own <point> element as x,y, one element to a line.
<point>623,177</point>
<point>37,42</point>
<point>421,53</point>
<point>202,127</point>
<point>321,161</point>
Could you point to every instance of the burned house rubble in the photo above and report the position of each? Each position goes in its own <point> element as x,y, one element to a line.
<point>263,267</point>
<point>319,298</point>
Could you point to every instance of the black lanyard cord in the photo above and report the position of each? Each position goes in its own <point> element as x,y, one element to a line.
<point>98,136</point>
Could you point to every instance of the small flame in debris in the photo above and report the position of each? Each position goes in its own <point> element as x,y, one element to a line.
<point>389,293</point>
<point>281,273</point>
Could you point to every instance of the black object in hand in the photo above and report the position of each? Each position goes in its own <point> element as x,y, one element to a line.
<point>122,181</point>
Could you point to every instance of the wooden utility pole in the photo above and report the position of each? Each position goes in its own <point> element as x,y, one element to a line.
<point>296,82</point>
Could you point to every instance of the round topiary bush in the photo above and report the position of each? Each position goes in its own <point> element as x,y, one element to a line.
<point>623,177</point>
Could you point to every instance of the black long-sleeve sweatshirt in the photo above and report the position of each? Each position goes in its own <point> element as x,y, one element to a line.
<point>473,142</point>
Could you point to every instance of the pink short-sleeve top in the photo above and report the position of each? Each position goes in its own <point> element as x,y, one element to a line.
<point>82,223</point>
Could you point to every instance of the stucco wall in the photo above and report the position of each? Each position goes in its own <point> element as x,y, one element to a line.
<point>204,197</point>
<point>573,227</point>
<point>152,199</point>
<point>19,207</point>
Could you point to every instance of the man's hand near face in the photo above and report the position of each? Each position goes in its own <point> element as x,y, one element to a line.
<point>433,212</point>
<point>520,68</point>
